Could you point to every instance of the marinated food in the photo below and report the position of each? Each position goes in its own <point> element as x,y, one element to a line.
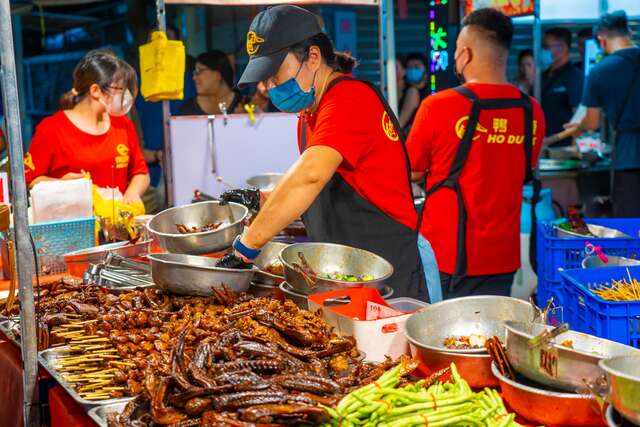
<point>183,229</point>
<point>275,268</point>
<point>466,342</point>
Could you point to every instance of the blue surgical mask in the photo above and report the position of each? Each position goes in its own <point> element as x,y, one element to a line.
<point>414,75</point>
<point>289,96</point>
<point>546,59</point>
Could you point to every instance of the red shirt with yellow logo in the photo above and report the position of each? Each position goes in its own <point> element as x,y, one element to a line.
<point>491,180</point>
<point>352,120</point>
<point>59,147</point>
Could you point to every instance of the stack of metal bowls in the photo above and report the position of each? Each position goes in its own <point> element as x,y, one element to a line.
<point>623,378</point>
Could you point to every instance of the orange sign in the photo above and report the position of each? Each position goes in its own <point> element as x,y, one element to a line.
<point>508,7</point>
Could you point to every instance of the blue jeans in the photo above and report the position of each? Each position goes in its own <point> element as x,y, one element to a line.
<point>430,267</point>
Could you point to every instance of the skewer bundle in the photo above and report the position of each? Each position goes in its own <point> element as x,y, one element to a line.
<point>618,290</point>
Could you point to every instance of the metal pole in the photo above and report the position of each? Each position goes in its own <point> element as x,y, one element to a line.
<point>537,47</point>
<point>166,117</point>
<point>24,255</point>
<point>390,57</point>
<point>382,11</point>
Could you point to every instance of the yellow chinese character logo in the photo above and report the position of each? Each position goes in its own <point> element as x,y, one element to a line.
<point>253,43</point>
<point>500,125</point>
<point>388,128</point>
<point>461,126</point>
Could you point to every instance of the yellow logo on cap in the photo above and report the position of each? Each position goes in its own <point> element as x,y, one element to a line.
<point>388,127</point>
<point>28,162</point>
<point>253,43</point>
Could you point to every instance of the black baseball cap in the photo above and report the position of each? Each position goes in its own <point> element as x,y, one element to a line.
<point>614,21</point>
<point>271,34</point>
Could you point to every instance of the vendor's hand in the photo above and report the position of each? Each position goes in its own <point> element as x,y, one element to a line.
<point>249,197</point>
<point>131,198</point>
<point>235,260</point>
<point>74,175</point>
<point>574,127</point>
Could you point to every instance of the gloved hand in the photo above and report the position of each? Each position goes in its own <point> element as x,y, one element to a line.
<point>249,197</point>
<point>231,260</point>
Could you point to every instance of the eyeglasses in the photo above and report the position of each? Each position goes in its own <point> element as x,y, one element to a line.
<point>116,89</point>
<point>199,70</point>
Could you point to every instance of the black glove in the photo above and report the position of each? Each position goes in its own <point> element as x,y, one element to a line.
<point>232,261</point>
<point>249,197</point>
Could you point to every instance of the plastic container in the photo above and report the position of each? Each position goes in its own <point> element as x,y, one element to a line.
<point>555,252</point>
<point>544,208</point>
<point>588,313</point>
<point>406,304</point>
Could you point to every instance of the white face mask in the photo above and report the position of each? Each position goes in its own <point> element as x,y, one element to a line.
<point>120,104</point>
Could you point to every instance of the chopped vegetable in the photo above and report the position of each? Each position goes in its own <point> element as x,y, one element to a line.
<point>349,277</point>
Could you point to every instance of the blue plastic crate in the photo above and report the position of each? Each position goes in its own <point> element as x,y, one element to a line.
<point>56,238</point>
<point>555,252</point>
<point>587,312</point>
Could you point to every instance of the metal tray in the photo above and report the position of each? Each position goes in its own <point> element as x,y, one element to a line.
<point>99,413</point>
<point>8,327</point>
<point>47,359</point>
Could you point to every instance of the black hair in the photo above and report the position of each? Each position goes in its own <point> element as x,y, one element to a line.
<point>402,60</point>
<point>101,67</point>
<point>614,24</point>
<point>524,53</point>
<point>217,60</point>
<point>560,33</point>
<point>496,26</point>
<point>418,57</point>
<point>338,61</point>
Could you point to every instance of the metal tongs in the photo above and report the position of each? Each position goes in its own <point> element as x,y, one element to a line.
<point>118,272</point>
<point>545,337</point>
<point>308,274</point>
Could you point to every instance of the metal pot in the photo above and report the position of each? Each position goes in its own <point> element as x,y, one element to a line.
<point>594,261</point>
<point>269,255</point>
<point>623,378</point>
<point>328,258</point>
<point>560,366</point>
<point>163,227</point>
<point>260,290</point>
<point>301,299</point>
<point>77,262</point>
<point>196,275</point>
<point>265,182</point>
<point>549,408</point>
<point>427,329</point>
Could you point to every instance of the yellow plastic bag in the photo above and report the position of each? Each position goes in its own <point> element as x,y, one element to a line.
<point>122,226</point>
<point>162,63</point>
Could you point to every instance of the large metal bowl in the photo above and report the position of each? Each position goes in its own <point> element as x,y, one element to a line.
<point>77,262</point>
<point>594,261</point>
<point>301,299</point>
<point>549,408</point>
<point>269,255</point>
<point>196,275</point>
<point>623,378</point>
<point>328,258</point>
<point>427,329</point>
<point>596,230</point>
<point>163,227</point>
<point>571,367</point>
<point>265,181</point>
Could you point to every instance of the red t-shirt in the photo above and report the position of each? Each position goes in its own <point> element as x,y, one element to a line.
<point>491,180</point>
<point>59,147</point>
<point>352,120</point>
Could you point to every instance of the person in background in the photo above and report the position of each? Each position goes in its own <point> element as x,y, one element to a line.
<point>91,133</point>
<point>401,83</point>
<point>583,35</point>
<point>213,75</point>
<point>417,90</point>
<point>261,99</point>
<point>526,71</point>
<point>613,87</point>
<point>561,82</point>
<point>475,164</point>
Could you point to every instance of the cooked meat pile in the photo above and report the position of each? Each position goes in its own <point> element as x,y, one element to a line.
<point>183,229</point>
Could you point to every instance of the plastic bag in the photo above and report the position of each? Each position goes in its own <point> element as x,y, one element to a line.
<point>162,64</point>
<point>115,218</point>
<point>62,199</point>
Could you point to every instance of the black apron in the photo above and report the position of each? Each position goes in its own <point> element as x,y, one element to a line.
<point>452,180</point>
<point>340,215</point>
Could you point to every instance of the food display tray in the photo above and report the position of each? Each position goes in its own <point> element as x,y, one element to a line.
<point>48,358</point>
<point>99,413</point>
<point>8,327</point>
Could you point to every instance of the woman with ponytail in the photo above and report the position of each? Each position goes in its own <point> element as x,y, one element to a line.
<point>91,135</point>
<point>351,183</point>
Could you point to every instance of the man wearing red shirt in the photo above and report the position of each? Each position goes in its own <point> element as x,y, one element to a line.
<point>476,145</point>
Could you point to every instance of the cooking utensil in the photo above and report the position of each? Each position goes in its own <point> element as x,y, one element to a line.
<point>623,378</point>
<point>77,262</point>
<point>301,299</point>
<point>559,366</point>
<point>550,408</point>
<point>544,337</point>
<point>196,275</point>
<point>99,414</point>
<point>329,258</point>
<point>265,181</point>
<point>163,227</point>
<point>596,230</point>
<point>612,261</point>
<point>269,255</point>
<point>427,330</point>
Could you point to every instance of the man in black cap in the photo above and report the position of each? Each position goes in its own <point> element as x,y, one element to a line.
<point>613,87</point>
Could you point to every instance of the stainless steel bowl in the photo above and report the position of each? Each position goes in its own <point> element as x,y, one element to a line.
<point>594,261</point>
<point>196,275</point>
<point>301,299</point>
<point>163,227</point>
<point>269,255</point>
<point>571,367</point>
<point>623,378</point>
<point>427,329</point>
<point>77,262</point>
<point>265,181</point>
<point>329,258</point>
<point>596,230</point>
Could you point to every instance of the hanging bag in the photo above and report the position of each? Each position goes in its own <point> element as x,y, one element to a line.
<point>162,64</point>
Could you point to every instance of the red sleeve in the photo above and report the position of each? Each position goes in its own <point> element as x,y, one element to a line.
<point>39,158</point>
<point>137,164</point>
<point>420,137</point>
<point>540,129</point>
<point>342,125</point>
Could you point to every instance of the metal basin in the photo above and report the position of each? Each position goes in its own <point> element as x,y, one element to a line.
<point>301,299</point>
<point>78,261</point>
<point>596,230</point>
<point>328,258</point>
<point>594,261</point>
<point>269,255</point>
<point>427,329</point>
<point>163,227</point>
<point>265,181</point>
<point>623,377</point>
<point>196,275</point>
<point>571,366</point>
<point>549,408</point>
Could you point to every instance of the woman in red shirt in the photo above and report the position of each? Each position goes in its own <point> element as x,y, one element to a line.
<point>91,133</point>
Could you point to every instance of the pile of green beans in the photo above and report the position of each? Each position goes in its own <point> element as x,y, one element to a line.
<point>384,404</point>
